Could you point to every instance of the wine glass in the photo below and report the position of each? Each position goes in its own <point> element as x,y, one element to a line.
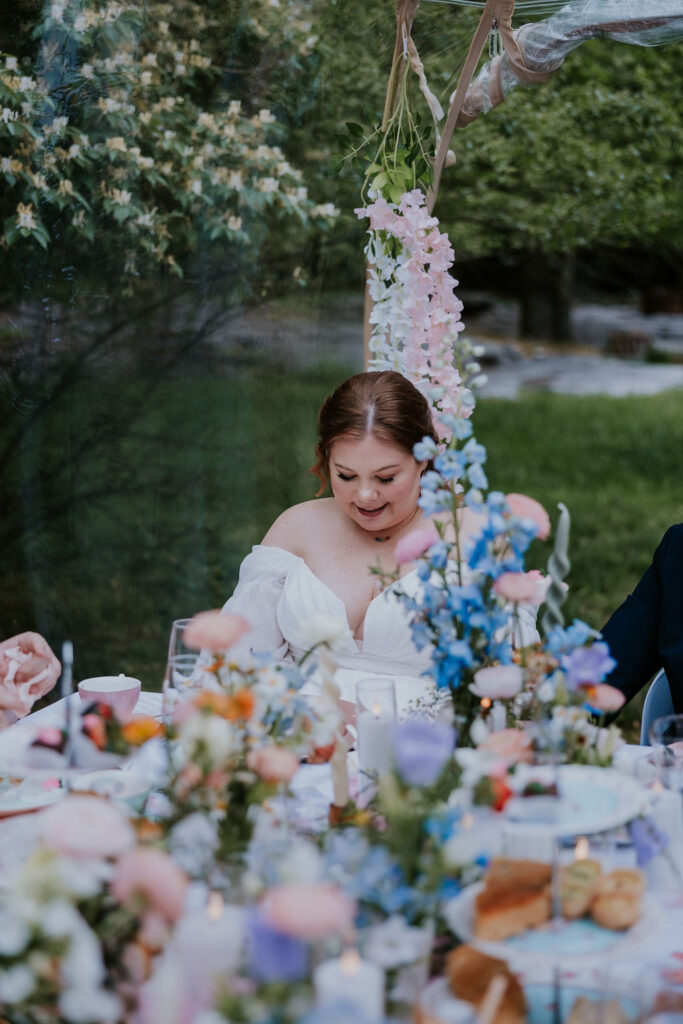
<point>181,675</point>
<point>666,737</point>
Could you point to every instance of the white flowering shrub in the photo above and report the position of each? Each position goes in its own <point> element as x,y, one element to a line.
<point>129,122</point>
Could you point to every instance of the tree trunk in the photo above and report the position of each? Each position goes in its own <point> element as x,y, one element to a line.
<point>546,287</point>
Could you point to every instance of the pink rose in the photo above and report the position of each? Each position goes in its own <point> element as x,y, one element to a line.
<point>86,827</point>
<point>520,587</point>
<point>499,682</point>
<point>604,697</point>
<point>511,746</point>
<point>415,543</point>
<point>308,911</point>
<point>274,764</point>
<point>216,630</point>
<point>149,875</point>
<point>528,508</point>
<point>28,670</point>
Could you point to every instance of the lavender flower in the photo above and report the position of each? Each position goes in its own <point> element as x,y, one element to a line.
<point>588,666</point>
<point>272,955</point>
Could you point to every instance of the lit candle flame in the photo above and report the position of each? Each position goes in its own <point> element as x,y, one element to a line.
<point>485,703</point>
<point>376,709</point>
<point>350,962</point>
<point>582,849</point>
<point>658,786</point>
<point>214,906</point>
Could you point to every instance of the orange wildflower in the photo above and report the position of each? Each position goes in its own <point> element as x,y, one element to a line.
<point>140,729</point>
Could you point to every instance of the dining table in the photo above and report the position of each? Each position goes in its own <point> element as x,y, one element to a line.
<point>652,954</point>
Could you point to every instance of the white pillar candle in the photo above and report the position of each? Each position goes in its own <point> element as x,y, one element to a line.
<point>351,980</point>
<point>375,735</point>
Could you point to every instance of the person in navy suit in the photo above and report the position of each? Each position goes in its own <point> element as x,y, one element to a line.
<point>645,633</point>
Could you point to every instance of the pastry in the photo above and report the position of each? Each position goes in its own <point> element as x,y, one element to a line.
<point>589,1011</point>
<point>579,881</point>
<point>469,975</point>
<point>516,896</point>
<point>618,899</point>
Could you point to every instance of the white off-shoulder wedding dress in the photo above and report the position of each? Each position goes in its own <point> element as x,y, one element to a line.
<point>279,594</point>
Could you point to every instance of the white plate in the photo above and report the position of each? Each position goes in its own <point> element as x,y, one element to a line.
<point>26,796</point>
<point>130,786</point>
<point>581,940</point>
<point>590,800</point>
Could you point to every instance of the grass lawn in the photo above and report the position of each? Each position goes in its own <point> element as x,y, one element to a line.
<point>149,520</point>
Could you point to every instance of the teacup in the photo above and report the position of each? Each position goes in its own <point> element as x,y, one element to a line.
<point>119,692</point>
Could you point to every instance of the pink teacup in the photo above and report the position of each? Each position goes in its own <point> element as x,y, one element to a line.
<point>119,692</point>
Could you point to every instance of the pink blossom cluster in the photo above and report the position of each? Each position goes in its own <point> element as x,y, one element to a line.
<point>416,314</point>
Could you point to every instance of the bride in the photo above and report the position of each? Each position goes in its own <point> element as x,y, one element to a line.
<point>317,557</point>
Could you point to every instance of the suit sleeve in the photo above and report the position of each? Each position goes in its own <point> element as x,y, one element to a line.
<point>632,632</point>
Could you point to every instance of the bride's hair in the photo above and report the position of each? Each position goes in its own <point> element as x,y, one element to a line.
<point>383,403</point>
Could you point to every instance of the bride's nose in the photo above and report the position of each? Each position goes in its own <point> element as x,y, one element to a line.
<point>367,491</point>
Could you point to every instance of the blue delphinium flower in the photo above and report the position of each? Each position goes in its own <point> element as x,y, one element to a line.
<point>422,750</point>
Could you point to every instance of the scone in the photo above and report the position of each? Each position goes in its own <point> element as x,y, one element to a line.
<point>618,899</point>
<point>469,975</point>
<point>526,874</point>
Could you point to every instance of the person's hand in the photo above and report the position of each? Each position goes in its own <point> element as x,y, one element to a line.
<point>28,670</point>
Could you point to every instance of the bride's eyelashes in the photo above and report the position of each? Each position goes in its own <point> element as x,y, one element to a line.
<point>382,479</point>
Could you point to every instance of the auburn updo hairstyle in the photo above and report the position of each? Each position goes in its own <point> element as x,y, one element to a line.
<point>383,403</point>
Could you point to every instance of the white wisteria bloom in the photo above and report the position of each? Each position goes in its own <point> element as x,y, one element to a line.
<point>57,12</point>
<point>16,984</point>
<point>195,187</point>
<point>325,210</point>
<point>234,223</point>
<point>265,116</point>
<point>267,185</point>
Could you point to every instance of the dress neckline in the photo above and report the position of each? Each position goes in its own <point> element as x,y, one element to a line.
<point>336,596</point>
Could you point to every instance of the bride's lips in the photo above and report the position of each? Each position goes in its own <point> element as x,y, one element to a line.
<point>371,513</point>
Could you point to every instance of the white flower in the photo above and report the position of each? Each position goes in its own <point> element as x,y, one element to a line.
<point>323,629</point>
<point>89,1006</point>
<point>25,216</point>
<point>394,942</point>
<point>325,210</point>
<point>234,108</point>
<point>193,843</point>
<point>146,78</point>
<point>121,197</point>
<point>265,116</point>
<point>14,934</point>
<point>195,187</point>
<point>235,179</point>
<point>217,736</point>
<point>11,64</point>
<point>82,966</point>
<point>16,984</point>
<point>267,185</point>
<point>234,223</point>
<point>8,115</point>
<point>57,12</point>
<point>80,22</point>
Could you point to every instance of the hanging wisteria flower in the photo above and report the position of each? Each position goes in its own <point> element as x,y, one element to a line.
<point>416,315</point>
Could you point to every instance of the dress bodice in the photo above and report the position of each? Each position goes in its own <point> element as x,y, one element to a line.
<point>278,593</point>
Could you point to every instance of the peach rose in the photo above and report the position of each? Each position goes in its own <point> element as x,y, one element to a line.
<point>149,875</point>
<point>604,697</point>
<point>274,764</point>
<point>28,670</point>
<point>415,543</point>
<point>528,508</point>
<point>511,746</point>
<point>520,587</point>
<point>498,682</point>
<point>215,630</point>
<point>308,911</point>
<point>86,826</point>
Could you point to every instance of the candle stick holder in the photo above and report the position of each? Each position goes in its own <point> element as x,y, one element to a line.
<point>66,691</point>
<point>376,720</point>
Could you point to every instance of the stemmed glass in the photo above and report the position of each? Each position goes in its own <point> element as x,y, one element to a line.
<point>666,737</point>
<point>180,676</point>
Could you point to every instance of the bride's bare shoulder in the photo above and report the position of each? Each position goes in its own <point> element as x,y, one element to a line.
<point>292,529</point>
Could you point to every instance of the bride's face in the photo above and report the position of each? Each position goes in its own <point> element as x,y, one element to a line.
<point>374,482</point>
